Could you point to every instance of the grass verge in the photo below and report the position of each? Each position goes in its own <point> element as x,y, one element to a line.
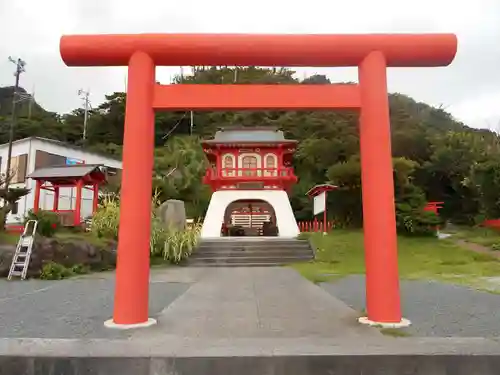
<point>69,235</point>
<point>7,238</point>
<point>487,237</point>
<point>341,253</point>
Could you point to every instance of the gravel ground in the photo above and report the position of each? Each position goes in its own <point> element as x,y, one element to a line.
<point>435,309</point>
<point>75,308</point>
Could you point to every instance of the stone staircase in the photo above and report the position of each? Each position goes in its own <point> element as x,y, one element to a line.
<point>250,251</point>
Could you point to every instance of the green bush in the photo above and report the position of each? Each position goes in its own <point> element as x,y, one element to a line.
<point>173,245</point>
<point>415,222</point>
<point>304,235</point>
<point>80,269</point>
<point>106,220</point>
<point>48,222</point>
<point>55,271</point>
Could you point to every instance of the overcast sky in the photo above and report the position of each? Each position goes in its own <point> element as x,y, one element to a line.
<point>469,88</point>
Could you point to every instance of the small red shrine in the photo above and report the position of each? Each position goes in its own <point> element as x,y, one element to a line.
<point>250,173</point>
<point>79,176</point>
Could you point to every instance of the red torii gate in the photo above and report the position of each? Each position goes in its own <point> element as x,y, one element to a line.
<point>372,54</point>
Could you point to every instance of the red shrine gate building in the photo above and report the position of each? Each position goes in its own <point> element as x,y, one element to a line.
<point>250,175</point>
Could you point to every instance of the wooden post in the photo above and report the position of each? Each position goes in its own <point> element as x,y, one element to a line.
<point>55,206</point>
<point>78,203</point>
<point>36,204</point>
<point>95,197</point>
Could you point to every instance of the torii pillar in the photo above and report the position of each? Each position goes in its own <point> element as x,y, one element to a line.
<point>372,54</point>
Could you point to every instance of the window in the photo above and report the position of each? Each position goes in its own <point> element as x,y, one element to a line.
<point>249,162</point>
<point>228,163</point>
<point>45,159</point>
<point>270,161</point>
<point>18,168</point>
<point>270,164</point>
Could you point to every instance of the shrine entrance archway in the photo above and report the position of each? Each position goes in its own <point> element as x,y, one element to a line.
<point>372,54</point>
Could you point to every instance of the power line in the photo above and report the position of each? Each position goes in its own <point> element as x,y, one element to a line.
<point>20,68</point>
<point>175,126</point>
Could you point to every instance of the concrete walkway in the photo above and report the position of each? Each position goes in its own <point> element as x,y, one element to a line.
<point>256,303</point>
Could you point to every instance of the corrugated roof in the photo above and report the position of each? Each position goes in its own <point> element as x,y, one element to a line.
<point>63,171</point>
<point>66,145</point>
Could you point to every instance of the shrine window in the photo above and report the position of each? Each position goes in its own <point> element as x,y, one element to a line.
<point>228,164</point>
<point>249,162</point>
<point>270,163</point>
<point>228,161</point>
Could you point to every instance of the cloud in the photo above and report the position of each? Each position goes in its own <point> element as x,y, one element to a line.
<point>469,88</point>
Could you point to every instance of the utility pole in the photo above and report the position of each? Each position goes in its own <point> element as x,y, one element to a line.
<point>20,64</point>
<point>191,124</point>
<point>31,98</point>
<point>84,95</point>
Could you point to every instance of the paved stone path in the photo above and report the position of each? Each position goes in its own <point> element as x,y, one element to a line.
<point>435,309</point>
<point>257,303</point>
<point>77,308</point>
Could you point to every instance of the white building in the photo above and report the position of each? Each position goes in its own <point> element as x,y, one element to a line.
<point>32,153</point>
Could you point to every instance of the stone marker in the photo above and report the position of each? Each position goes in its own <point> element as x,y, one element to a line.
<point>173,214</point>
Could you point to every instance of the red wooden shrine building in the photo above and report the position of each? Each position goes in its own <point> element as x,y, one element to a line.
<point>250,172</point>
<point>80,176</point>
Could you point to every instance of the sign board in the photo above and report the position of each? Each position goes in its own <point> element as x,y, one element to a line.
<point>320,203</point>
<point>71,161</point>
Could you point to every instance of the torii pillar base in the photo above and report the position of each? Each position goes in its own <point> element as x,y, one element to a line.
<point>402,324</point>
<point>111,324</point>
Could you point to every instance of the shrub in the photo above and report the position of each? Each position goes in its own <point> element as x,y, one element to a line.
<point>55,271</point>
<point>415,222</point>
<point>105,221</point>
<point>48,222</point>
<point>80,269</point>
<point>304,235</point>
<point>173,245</point>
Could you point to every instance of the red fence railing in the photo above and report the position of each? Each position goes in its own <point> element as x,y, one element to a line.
<point>315,226</point>
<point>492,223</point>
<point>249,172</point>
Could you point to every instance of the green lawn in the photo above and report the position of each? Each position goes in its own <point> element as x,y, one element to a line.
<point>7,238</point>
<point>69,235</point>
<point>482,236</point>
<point>341,253</point>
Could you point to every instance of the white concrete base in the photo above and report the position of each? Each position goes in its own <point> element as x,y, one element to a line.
<point>111,324</point>
<point>278,199</point>
<point>402,324</point>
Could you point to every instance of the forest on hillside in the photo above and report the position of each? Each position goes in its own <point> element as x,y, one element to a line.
<point>436,158</point>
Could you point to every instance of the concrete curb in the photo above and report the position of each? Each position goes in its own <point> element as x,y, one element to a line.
<point>174,346</point>
<point>174,355</point>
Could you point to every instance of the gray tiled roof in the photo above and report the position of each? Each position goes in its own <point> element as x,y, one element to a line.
<point>248,135</point>
<point>62,171</point>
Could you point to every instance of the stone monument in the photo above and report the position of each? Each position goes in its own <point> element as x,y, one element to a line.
<point>173,214</point>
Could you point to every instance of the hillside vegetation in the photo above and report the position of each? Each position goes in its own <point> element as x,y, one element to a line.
<point>435,156</point>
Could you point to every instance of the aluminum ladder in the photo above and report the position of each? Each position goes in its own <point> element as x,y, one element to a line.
<point>21,258</point>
